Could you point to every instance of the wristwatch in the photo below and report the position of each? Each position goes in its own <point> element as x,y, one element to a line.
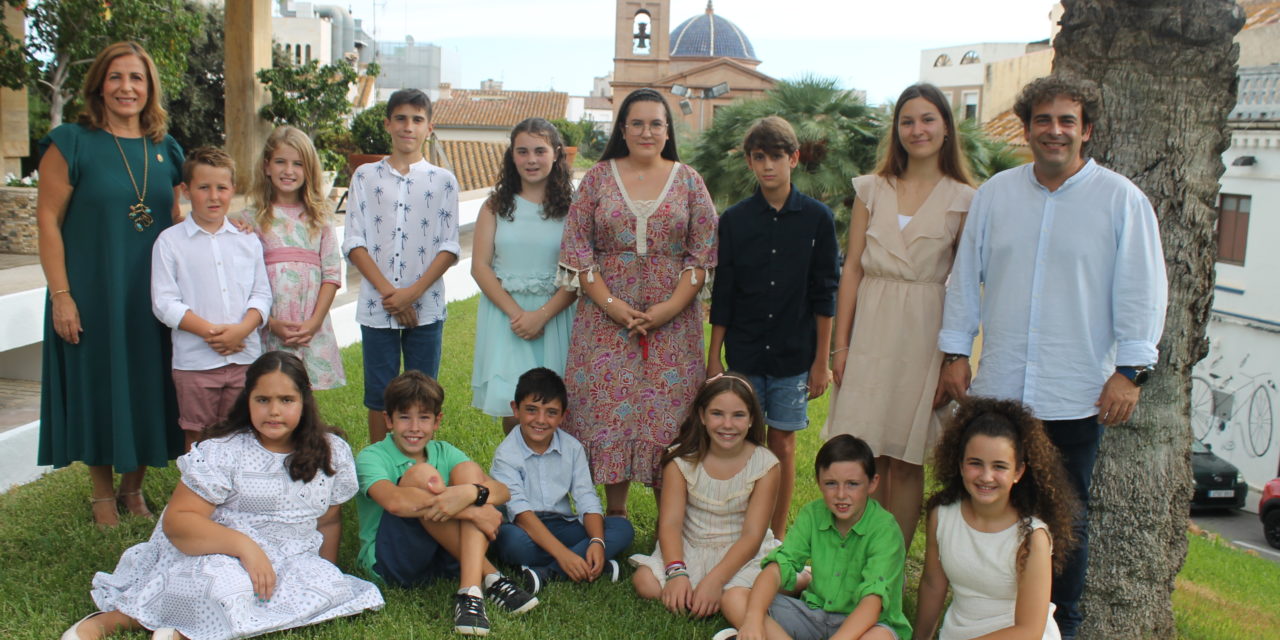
<point>1136,375</point>
<point>482,495</point>
<point>948,358</point>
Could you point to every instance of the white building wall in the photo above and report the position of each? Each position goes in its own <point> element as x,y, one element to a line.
<point>304,32</point>
<point>1243,366</point>
<point>957,74</point>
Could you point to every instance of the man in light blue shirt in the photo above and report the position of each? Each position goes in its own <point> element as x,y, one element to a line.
<point>1060,264</point>
<point>544,467</point>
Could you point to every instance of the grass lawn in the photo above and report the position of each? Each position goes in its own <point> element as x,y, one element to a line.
<point>49,549</point>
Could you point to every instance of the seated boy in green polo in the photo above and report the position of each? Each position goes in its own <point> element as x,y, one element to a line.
<point>416,526</point>
<point>855,548</point>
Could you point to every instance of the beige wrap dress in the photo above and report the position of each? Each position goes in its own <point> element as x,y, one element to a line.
<point>891,371</point>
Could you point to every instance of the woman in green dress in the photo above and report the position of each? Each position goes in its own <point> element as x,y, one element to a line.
<point>107,189</point>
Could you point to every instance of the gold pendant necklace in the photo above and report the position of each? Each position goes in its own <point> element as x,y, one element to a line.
<point>140,213</point>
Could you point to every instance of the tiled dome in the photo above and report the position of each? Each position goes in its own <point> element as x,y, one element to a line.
<point>710,36</point>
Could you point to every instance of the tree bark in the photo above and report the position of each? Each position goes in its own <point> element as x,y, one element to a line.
<point>1167,73</point>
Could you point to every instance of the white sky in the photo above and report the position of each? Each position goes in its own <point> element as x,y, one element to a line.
<point>562,44</point>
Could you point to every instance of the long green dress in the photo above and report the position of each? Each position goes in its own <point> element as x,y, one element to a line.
<point>110,400</point>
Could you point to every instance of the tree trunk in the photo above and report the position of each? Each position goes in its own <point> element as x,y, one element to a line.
<point>1167,72</point>
<point>58,97</point>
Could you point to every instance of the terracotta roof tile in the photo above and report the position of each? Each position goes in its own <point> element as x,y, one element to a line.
<point>598,102</point>
<point>476,164</point>
<point>1259,15</point>
<point>476,108</point>
<point>1006,127</point>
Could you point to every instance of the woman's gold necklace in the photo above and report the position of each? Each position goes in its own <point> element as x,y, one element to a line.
<point>140,213</point>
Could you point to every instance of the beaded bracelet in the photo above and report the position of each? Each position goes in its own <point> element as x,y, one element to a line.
<point>674,565</point>
<point>678,573</point>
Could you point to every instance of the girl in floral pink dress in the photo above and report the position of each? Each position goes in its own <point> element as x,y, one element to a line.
<point>292,219</point>
<point>640,243</point>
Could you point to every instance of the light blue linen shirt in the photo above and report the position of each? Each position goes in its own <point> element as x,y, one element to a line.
<point>1065,285</point>
<point>403,221</point>
<point>545,482</point>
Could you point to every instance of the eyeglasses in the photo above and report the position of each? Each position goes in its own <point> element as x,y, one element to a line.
<point>657,127</point>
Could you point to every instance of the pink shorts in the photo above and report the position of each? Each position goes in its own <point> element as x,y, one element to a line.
<point>205,397</point>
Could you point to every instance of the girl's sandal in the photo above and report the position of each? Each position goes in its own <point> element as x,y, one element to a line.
<point>122,503</point>
<point>111,520</point>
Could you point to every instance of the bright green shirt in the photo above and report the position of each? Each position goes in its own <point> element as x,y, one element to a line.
<point>846,569</point>
<point>384,461</point>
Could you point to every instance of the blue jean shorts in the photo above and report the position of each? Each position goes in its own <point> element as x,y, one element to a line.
<point>785,400</point>
<point>382,348</point>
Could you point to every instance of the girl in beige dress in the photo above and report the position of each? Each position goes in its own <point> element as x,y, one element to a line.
<point>906,221</point>
<point>719,486</point>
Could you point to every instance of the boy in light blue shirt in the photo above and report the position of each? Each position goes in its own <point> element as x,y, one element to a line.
<point>543,468</point>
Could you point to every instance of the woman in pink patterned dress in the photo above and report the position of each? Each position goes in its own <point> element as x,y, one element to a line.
<point>292,219</point>
<point>640,243</point>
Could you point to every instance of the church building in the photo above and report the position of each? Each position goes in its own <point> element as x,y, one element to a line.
<point>702,64</point>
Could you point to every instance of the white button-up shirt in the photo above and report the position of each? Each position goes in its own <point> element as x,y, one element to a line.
<point>545,482</point>
<point>217,276</point>
<point>403,221</point>
<point>1065,285</point>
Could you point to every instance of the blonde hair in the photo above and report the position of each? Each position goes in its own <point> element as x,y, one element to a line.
<point>315,209</point>
<point>154,119</point>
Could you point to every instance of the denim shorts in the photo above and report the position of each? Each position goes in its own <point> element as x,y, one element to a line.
<point>803,622</point>
<point>382,348</point>
<point>406,555</point>
<point>785,400</point>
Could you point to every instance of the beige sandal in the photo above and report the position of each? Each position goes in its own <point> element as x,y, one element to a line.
<point>120,503</point>
<point>94,502</point>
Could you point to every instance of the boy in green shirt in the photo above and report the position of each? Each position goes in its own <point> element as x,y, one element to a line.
<point>416,526</point>
<point>855,548</point>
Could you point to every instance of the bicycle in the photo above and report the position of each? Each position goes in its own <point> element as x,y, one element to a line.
<point>1213,404</point>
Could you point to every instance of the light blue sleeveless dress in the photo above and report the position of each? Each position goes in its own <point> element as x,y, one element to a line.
<point>525,253</point>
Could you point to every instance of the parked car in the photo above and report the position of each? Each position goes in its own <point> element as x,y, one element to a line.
<point>1219,484</point>
<point>1269,511</point>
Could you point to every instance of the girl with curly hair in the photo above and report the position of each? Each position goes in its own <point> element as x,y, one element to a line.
<point>998,528</point>
<point>524,319</point>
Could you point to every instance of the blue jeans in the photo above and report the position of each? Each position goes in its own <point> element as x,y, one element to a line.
<point>784,400</point>
<point>516,548</point>
<point>1077,441</point>
<point>382,348</point>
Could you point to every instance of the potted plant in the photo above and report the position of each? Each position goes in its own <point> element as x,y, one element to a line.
<point>571,134</point>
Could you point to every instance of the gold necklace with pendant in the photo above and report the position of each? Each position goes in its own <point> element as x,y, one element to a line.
<point>140,213</point>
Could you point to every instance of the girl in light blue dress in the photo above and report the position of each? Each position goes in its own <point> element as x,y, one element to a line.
<point>524,318</point>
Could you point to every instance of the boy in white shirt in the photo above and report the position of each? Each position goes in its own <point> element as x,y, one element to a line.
<point>209,284</point>
<point>402,234</point>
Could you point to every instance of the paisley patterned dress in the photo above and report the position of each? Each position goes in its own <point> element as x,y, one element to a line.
<point>627,396</point>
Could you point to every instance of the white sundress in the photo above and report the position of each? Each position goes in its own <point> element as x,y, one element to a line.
<point>713,517</point>
<point>210,597</point>
<point>982,569</point>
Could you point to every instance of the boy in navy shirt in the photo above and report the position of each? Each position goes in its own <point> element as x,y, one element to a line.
<point>775,294</point>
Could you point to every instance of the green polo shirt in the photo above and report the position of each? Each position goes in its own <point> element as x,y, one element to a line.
<point>846,569</point>
<point>384,461</point>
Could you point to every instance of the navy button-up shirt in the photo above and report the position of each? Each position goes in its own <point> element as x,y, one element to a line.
<point>776,272</point>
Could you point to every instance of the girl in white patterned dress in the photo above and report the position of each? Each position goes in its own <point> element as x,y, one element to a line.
<point>300,246</point>
<point>248,542</point>
<point>998,528</point>
<point>719,486</point>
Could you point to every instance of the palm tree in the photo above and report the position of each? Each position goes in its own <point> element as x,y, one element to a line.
<point>987,156</point>
<point>837,133</point>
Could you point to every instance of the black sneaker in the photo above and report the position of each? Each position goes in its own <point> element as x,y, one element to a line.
<point>512,598</point>
<point>469,618</point>
<point>534,579</point>
<point>612,571</point>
